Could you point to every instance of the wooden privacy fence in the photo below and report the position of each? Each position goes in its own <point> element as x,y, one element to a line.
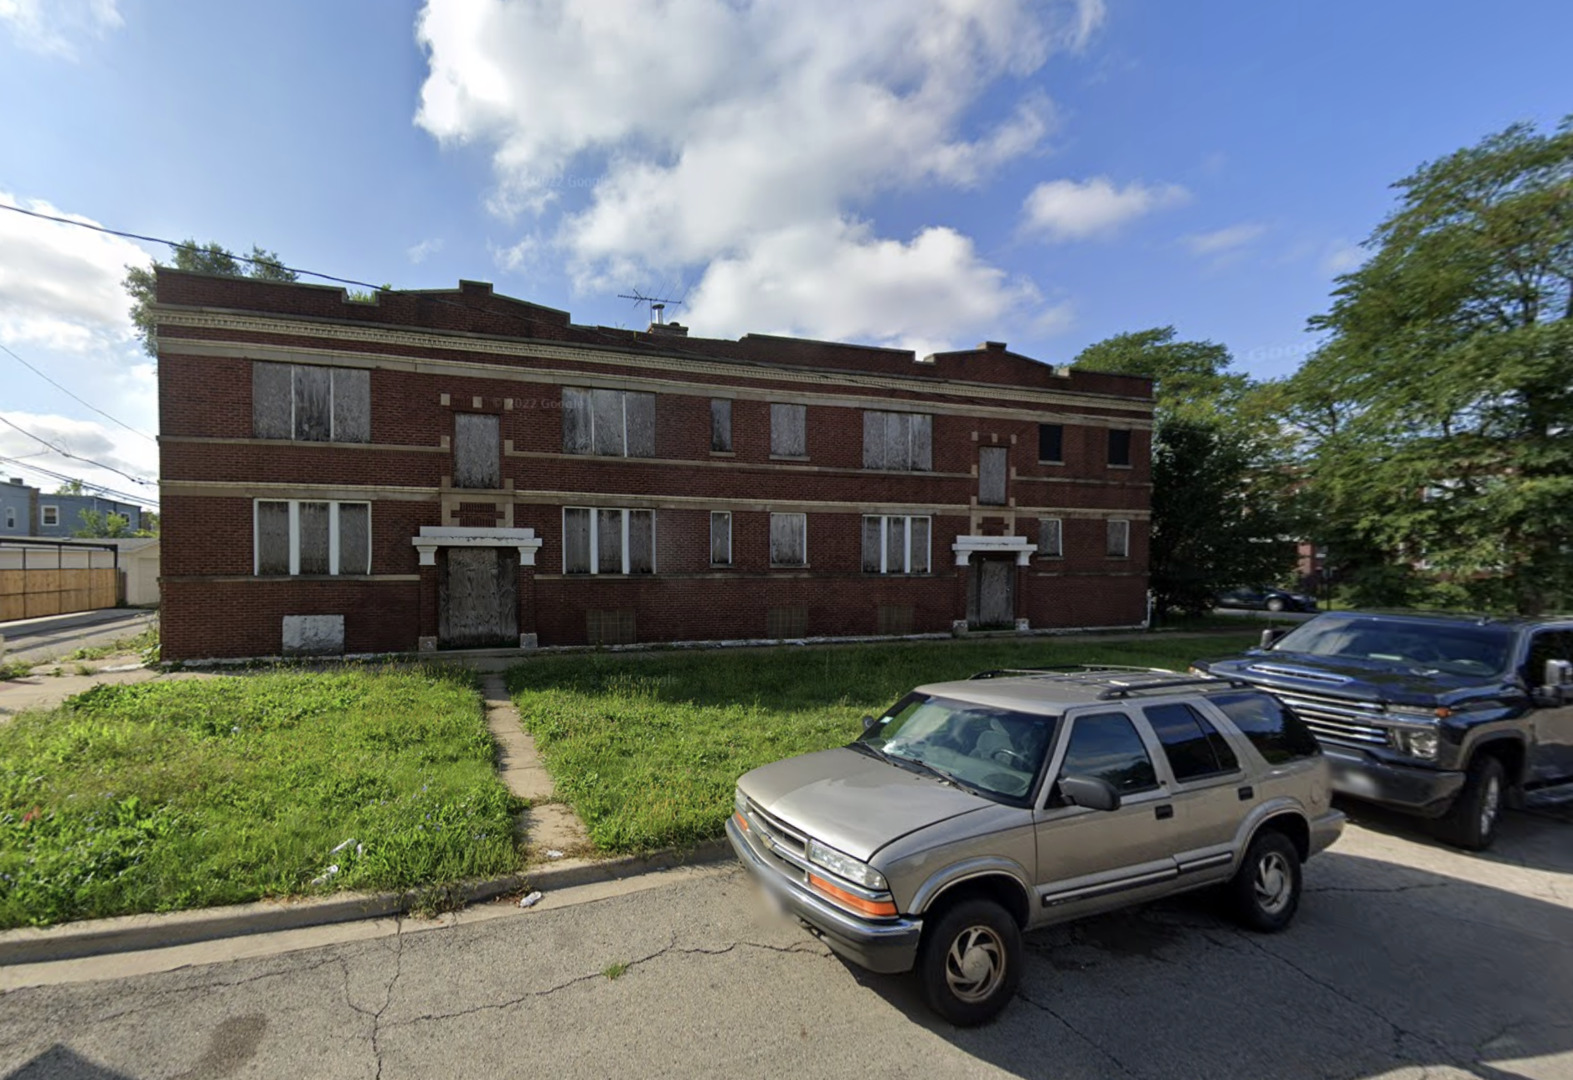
<point>28,594</point>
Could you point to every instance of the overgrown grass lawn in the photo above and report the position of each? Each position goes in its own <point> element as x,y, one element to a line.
<point>647,747</point>
<point>181,794</point>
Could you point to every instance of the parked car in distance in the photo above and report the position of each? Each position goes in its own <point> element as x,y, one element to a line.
<point>973,811</point>
<point>1265,598</point>
<point>1448,717</point>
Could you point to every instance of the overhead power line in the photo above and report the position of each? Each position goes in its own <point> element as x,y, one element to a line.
<point>59,477</point>
<point>75,457</point>
<point>74,396</point>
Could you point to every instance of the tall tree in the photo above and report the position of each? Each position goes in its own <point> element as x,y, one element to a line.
<point>140,281</point>
<point>1440,407</point>
<point>1214,512</point>
<point>100,525</point>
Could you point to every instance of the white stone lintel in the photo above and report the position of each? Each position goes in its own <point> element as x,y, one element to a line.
<point>967,546</point>
<point>433,537</point>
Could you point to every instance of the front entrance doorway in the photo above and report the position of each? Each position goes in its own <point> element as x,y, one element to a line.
<point>478,598</point>
<point>991,591</point>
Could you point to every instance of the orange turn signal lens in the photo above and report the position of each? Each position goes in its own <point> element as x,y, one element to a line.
<point>878,909</point>
<point>742,822</point>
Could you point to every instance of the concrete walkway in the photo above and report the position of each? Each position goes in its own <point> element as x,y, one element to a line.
<point>552,830</point>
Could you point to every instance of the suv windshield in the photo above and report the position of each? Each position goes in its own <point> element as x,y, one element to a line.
<point>1453,649</point>
<point>995,751</point>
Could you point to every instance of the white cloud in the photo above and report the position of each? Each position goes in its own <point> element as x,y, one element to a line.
<point>54,27</point>
<point>730,133</point>
<point>1342,257</point>
<point>91,439</point>
<point>1224,241</point>
<point>60,286</point>
<point>1071,210</point>
<point>418,253</point>
<point>837,280</point>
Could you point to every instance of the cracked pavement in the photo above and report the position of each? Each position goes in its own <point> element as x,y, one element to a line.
<point>1407,960</point>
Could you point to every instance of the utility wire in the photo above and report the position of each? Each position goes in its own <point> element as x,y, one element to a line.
<point>74,396</point>
<point>64,479</point>
<point>75,457</point>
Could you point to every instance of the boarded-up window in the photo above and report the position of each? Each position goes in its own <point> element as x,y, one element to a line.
<point>639,416</point>
<point>1051,542</point>
<point>313,538</point>
<point>610,627</point>
<point>576,541</point>
<point>721,424</point>
<point>720,539</point>
<point>608,541</point>
<point>313,404</point>
<point>788,430</point>
<point>272,401</point>
<point>477,450</point>
<point>1119,446</point>
<point>896,545</point>
<point>273,538</point>
<point>1051,442</point>
<point>903,441</point>
<point>788,540</point>
<point>608,422</point>
<point>354,538</point>
<point>576,421</point>
<point>641,542</point>
<point>991,476</point>
<point>1119,539</point>
<point>786,622</point>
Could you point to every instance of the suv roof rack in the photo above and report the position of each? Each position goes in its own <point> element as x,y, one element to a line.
<point>1099,675</point>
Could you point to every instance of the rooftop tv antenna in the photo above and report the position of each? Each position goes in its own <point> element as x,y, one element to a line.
<point>657,305</point>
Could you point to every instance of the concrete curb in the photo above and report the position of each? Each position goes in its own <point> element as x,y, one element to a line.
<point>133,933</point>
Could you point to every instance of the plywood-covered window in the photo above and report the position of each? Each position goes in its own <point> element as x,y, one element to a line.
<point>1051,538</point>
<point>788,430</point>
<point>721,425</point>
<point>788,539</point>
<point>304,536</point>
<point>1119,539</point>
<point>992,468</point>
<point>720,538</point>
<point>612,423</point>
<point>607,541</point>
<point>310,403</point>
<point>893,440</point>
<point>477,451</point>
<point>896,544</point>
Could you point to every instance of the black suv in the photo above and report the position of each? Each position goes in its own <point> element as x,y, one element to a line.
<point>1443,716</point>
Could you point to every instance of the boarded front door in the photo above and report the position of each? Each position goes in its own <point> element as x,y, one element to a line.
<point>478,598</point>
<point>991,592</point>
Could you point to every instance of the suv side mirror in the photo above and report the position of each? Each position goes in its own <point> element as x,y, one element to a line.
<point>1093,792</point>
<point>1269,637</point>
<point>1557,681</point>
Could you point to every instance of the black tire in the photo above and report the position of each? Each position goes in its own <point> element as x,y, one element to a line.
<point>1473,820</point>
<point>1276,603</point>
<point>976,943</point>
<point>1264,893</point>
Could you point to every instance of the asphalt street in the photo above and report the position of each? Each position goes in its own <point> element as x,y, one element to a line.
<point>37,641</point>
<point>1407,960</point>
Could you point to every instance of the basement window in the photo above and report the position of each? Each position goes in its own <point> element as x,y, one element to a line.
<point>611,423</point>
<point>901,441</point>
<point>297,537</point>
<point>310,404</point>
<point>895,545</point>
<point>602,541</point>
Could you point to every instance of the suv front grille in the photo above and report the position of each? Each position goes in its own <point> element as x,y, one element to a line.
<point>786,848</point>
<point>1335,720</point>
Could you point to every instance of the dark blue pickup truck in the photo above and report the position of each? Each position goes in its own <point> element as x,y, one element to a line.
<point>1448,717</point>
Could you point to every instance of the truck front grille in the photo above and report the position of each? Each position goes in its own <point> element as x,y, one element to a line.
<point>1334,720</point>
<point>786,848</point>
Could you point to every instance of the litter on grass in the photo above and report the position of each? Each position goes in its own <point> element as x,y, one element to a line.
<point>322,878</point>
<point>553,853</point>
<point>342,846</point>
<point>531,900</point>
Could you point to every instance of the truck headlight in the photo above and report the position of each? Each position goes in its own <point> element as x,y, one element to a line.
<point>1417,742</point>
<point>845,866</point>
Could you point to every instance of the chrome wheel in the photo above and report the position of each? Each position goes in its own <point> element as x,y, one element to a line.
<point>975,964</point>
<point>1490,805</point>
<point>1274,883</point>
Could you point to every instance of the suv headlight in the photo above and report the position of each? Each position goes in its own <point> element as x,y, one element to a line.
<point>845,866</point>
<point>1417,742</point>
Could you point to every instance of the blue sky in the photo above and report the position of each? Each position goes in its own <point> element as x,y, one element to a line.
<point>917,172</point>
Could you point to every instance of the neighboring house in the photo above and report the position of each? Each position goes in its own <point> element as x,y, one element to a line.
<point>61,515</point>
<point>18,507</point>
<point>457,468</point>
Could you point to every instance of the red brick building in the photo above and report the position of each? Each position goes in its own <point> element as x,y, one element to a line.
<point>458,468</point>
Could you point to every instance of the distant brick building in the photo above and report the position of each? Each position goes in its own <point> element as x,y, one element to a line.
<point>457,468</point>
